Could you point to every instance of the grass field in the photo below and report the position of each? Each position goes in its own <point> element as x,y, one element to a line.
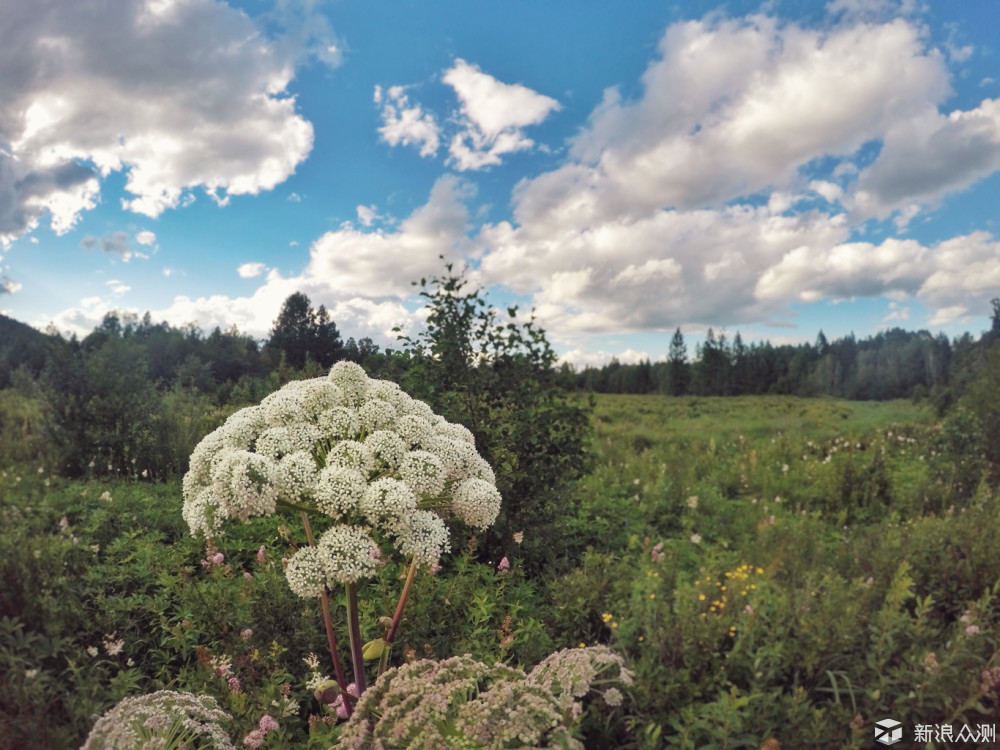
<point>770,567</point>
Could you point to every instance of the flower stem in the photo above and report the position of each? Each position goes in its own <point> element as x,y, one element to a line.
<point>398,616</point>
<point>331,639</point>
<point>354,631</point>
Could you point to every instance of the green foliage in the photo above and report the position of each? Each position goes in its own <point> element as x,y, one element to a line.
<point>300,333</point>
<point>495,374</point>
<point>859,579</point>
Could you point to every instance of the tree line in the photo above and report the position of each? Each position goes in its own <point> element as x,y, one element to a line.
<point>890,364</point>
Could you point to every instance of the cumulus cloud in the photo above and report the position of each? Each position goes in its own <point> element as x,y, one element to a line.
<point>145,237</point>
<point>383,264</point>
<point>176,95</point>
<point>7,286</point>
<point>924,158</point>
<point>251,270</point>
<point>655,219</point>
<point>493,114</point>
<point>406,125</point>
<point>580,357</point>
<point>115,243</point>
<point>367,215</point>
<point>952,277</point>
<point>363,277</point>
<point>490,120</point>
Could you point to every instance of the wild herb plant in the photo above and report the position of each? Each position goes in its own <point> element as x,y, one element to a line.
<point>377,468</point>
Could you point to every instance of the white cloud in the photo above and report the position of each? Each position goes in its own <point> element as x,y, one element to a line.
<point>250,270</point>
<point>493,114</point>
<point>406,125</point>
<point>115,243</point>
<point>7,286</point>
<point>156,91</point>
<point>581,358</point>
<point>367,215</point>
<point>490,119</point>
<point>145,238</point>
<point>383,264</point>
<point>363,278</point>
<point>896,312</point>
<point>655,220</point>
<point>960,273</point>
<point>294,197</point>
<point>923,158</point>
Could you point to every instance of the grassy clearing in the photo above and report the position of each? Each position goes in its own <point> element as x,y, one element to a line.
<point>771,567</point>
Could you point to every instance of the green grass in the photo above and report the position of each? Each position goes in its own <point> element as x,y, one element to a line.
<point>857,549</point>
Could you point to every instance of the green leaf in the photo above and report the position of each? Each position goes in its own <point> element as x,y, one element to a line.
<point>373,649</point>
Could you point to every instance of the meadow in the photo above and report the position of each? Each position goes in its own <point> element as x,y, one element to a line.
<point>771,569</point>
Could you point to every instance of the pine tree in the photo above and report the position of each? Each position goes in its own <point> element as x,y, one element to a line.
<point>678,374</point>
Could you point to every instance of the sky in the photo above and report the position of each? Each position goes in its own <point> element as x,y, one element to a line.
<point>622,169</point>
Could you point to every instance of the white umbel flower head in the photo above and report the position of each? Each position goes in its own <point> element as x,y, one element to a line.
<point>297,474</point>
<point>422,536</point>
<point>339,490</point>
<point>387,448</point>
<point>423,472</point>
<point>339,423</point>
<point>413,429</point>
<point>476,502</point>
<point>387,499</point>
<point>348,554</point>
<point>243,484</point>
<point>352,455</point>
<point>352,381</point>
<point>376,414</point>
<point>378,463</point>
<point>305,573</point>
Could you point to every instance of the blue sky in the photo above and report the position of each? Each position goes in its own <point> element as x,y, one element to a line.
<point>775,168</point>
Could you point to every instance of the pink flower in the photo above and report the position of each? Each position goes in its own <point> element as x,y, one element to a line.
<point>972,630</point>
<point>254,738</point>
<point>217,558</point>
<point>246,634</point>
<point>266,723</point>
<point>261,554</point>
<point>338,704</point>
<point>246,574</point>
<point>504,565</point>
<point>234,686</point>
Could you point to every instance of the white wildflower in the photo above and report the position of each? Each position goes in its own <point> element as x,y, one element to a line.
<point>376,415</point>
<point>423,472</point>
<point>339,423</point>
<point>386,447</point>
<point>413,429</point>
<point>338,490</point>
<point>305,573</point>
<point>351,379</point>
<point>347,554</point>
<point>421,535</point>
<point>476,502</point>
<point>297,473</point>
<point>387,499</point>
<point>352,455</point>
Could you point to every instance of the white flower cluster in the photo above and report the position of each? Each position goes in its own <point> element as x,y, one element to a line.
<point>359,450</point>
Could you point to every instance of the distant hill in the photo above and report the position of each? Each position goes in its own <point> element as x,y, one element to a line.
<point>21,345</point>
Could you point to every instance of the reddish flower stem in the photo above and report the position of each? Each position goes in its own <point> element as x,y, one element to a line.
<point>331,639</point>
